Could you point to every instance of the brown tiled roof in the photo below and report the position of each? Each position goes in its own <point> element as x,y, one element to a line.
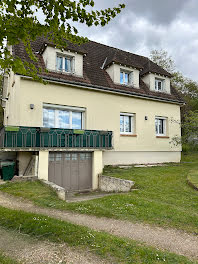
<point>98,55</point>
<point>154,68</point>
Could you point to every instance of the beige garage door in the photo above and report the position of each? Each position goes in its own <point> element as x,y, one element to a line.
<point>71,170</point>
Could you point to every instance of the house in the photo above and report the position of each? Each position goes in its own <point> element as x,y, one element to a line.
<point>101,106</point>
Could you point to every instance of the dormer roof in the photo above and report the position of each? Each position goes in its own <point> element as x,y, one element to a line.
<point>96,76</point>
<point>151,67</point>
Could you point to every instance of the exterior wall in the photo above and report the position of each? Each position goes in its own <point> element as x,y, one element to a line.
<point>43,165</point>
<point>114,72</point>
<point>149,79</point>
<point>12,92</point>
<point>97,167</point>
<point>141,157</point>
<point>23,159</point>
<point>97,116</point>
<point>49,56</point>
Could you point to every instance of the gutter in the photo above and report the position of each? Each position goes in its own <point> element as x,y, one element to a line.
<point>106,89</point>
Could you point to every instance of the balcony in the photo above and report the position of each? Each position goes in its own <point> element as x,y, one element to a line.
<point>34,138</point>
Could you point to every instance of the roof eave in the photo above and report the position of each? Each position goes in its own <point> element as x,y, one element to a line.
<point>117,91</point>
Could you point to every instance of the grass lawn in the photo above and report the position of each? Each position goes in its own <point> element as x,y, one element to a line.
<point>163,197</point>
<point>193,178</point>
<point>6,260</point>
<point>114,249</point>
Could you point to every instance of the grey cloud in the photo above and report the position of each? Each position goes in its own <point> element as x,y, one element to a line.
<point>157,11</point>
<point>145,25</point>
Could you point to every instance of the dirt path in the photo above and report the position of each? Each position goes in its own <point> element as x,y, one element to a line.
<point>169,239</point>
<point>31,251</point>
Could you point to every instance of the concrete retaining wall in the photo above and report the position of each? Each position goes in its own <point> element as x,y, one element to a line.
<point>111,184</point>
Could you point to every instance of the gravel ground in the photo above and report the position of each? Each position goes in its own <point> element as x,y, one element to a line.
<point>172,240</point>
<point>31,251</point>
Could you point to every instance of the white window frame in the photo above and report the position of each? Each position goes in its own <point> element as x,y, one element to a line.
<point>162,81</point>
<point>164,125</point>
<point>130,77</point>
<point>132,116</point>
<point>63,56</point>
<point>70,109</point>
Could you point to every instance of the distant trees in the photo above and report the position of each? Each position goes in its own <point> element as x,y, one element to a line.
<point>188,89</point>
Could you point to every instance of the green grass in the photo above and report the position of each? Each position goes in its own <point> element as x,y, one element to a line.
<point>114,249</point>
<point>163,197</point>
<point>193,178</point>
<point>6,260</point>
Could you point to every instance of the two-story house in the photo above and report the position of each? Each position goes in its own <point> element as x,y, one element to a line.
<point>101,106</point>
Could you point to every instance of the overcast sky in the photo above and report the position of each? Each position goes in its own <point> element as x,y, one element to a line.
<point>145,25</point>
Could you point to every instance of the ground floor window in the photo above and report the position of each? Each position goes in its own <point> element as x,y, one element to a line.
<point>160,126</point>
<point>70,118</point>
<point>126,123</point>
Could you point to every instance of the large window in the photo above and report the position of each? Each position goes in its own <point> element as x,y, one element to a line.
<point>159,85</point>
<point>160,126</point>
<point>64,63</point>
<point>62,118</point>
<point>126,123</point>
<point>125,77</point>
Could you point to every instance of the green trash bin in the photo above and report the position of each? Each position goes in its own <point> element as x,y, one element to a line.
<point>8,170</point>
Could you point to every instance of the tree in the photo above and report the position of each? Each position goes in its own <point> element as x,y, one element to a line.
<point>161,58</point>
<point>19,22</point>
<point>189,126</point>
<point>188,89</point>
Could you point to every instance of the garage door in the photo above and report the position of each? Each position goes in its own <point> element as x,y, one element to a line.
<point>71,170</point>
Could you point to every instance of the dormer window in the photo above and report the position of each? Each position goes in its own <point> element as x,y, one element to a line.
<point>159,85</point>
<point>125,77</point>
<point>65,63</point>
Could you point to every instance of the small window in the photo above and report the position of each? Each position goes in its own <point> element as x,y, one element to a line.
<point>64,63</point>
<point>67,156</point>
<point>51,157</point>
<point>159,85</point>
<point>125,77</point>
<point>58,157</point>
<point>75,156</point>
<point>126,123</point>
<point>160,126</point>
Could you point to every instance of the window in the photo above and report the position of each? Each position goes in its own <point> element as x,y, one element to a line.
<point>64,63</point>
<point>62,118</point>
<point>126,123</point>
<point>159,85</point>
<point>125,77</point>
<point>160,126</point>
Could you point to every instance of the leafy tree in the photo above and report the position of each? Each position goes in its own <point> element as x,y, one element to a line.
<point>19,22</point>
<point>189,126</point>
<point>161,58</point>
<point>188,89</point>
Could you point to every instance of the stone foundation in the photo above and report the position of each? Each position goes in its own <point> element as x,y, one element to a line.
<point>111,184</point>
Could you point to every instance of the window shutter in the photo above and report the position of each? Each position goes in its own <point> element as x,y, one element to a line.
<point>131,78</point>
<point>73,65</point>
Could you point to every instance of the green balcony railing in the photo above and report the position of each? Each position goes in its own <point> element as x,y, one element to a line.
<point>34,137</point>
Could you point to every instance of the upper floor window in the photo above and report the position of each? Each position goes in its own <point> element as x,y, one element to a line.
<point>159,84</point>
<point>160,126</point>
<point>62,118</point>
<point>126,123</point>
<point>125,77</point>
<point>64,63</point>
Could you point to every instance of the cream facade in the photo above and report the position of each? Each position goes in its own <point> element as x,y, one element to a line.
<point>100,114</point>
<point>143,124</point>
